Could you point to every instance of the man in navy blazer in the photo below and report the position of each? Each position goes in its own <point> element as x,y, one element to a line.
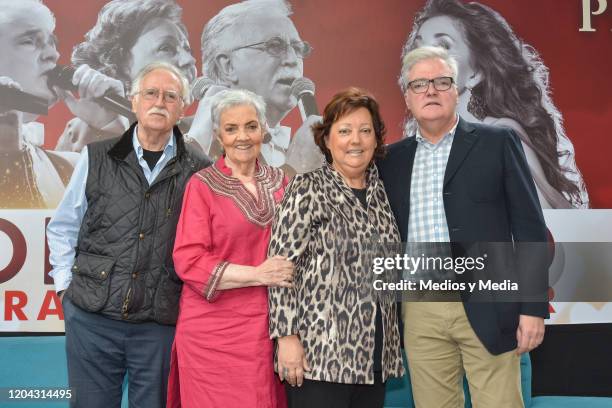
<point>461,182</point>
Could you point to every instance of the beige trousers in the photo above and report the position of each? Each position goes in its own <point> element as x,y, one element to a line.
<point>441,347</point>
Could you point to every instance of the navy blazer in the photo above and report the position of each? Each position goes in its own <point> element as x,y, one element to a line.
<point>489,196</point>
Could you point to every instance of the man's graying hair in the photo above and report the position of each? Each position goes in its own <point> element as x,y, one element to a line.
<point>9,7</point>
<point>213,34</point>
<point>230,98</point>
<point>136,84</point>
<point>425,53</point>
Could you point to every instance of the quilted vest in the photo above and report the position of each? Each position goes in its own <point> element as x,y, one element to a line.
<point>123,268</point>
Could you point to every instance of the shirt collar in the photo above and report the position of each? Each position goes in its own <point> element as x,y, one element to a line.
<point>168,148</point>
<point>447,136</point>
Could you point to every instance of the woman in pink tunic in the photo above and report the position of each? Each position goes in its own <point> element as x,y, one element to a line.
<point>222,354</point>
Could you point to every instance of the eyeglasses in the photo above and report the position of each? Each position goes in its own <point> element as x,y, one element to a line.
<point>152,94</point>
<point>277,46</point>
<point>421,85</point>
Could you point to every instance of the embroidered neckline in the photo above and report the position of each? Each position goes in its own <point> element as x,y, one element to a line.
<point>258,211</point>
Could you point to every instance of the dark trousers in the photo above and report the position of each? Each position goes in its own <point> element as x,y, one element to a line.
<point>101,351</point>
<point>323,394</point>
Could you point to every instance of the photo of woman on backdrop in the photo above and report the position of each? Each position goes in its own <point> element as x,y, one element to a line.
<point>128,35</point>
<point>503,81</point>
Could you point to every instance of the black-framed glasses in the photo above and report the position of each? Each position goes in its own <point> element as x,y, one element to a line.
<point>152,94</point>
<point>440,84</point>
<point>277,46</point>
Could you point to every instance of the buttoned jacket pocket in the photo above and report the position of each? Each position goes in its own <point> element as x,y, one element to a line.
<point>90,284</point>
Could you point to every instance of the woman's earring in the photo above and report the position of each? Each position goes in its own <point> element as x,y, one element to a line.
<point>476,106</point>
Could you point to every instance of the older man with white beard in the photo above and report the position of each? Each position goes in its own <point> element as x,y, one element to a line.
<point>32,177</point>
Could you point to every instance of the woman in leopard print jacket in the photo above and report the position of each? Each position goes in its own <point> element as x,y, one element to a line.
<point>337,338</point>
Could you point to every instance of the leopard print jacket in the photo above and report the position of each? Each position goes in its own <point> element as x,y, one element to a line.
<point>322,227</point>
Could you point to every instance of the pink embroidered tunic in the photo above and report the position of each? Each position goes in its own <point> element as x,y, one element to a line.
<point>222,354</point>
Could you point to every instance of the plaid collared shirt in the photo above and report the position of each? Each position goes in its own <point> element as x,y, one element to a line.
<point>427,220</point>
<point>427,226</point>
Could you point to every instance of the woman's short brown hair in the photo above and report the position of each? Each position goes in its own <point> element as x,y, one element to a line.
<point>343,103</point>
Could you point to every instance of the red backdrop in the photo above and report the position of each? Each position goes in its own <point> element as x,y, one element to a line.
<point>357,42</point>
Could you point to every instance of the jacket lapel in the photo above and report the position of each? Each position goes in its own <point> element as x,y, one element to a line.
<point>406,171</point>
<point>464,139</point>
<point>401,183</point>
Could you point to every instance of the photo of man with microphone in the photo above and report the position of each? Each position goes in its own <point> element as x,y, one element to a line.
<point>254,45</point>
<point>31,176</point>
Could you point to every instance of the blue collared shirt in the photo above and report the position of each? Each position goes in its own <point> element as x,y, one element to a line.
<point>63,229</point>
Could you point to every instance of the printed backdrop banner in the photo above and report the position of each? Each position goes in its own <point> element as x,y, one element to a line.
<point>540,67</point>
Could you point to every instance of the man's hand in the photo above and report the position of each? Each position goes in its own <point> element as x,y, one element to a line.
<point>530,333</point>
<point>202,128</point>
<point>10,82</point>
<point>303,154</point>
<point>291,360</point>
<point>91,85</point>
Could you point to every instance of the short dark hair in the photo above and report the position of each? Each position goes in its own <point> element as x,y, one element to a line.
<point>108,44</point>
<point>343,103</point>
